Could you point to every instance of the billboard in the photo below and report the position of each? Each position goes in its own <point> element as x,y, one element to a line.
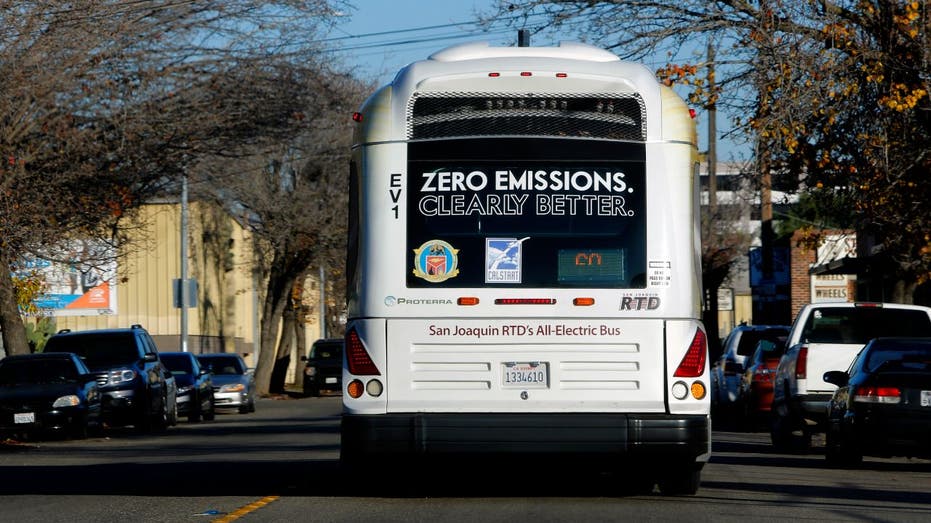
<point>78,281</point>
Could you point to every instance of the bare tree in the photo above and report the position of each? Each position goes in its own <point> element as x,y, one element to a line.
<point>292,196</point>
<point>103,103</point>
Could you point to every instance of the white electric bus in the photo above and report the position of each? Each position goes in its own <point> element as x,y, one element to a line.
<point>524,268</point>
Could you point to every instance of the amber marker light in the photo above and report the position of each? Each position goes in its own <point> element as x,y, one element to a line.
<point>583,302</point>
<point>467,300</point>
<point>698,390</point>
<point>355,389</point>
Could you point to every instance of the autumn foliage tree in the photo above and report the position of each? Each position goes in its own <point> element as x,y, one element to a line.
<point>833,95</point>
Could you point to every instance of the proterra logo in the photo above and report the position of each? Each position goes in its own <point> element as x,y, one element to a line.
<point>391,301</point>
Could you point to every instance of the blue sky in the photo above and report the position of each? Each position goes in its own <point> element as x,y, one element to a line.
<point>416,32</point>
<point>381,36</point>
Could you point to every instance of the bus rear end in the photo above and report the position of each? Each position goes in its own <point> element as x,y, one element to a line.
<point>523,269</point>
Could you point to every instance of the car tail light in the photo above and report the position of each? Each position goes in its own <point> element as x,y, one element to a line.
<point>801,363</point>
<point>693,363</point>
<point>872,394</point>
<point>357,358</point>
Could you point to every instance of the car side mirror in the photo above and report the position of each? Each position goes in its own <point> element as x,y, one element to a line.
<point>837,377</point>
<point>303,358</point>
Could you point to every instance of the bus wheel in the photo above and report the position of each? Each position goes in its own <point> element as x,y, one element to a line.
<point>681,481</point>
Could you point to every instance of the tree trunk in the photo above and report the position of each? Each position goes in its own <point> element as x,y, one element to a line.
<point>283,356</point>
<point>276,298</point>
<point>11,322</point>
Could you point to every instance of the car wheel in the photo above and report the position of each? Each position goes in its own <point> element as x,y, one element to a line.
<point>173,415</point>
<point>162,418</point>
<point>78,428</point>
<point>194,415</point>
<point>210,413</point>
<point>839,453</point>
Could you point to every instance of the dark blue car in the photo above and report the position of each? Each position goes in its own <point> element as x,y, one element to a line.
<point>46,394</point>
<point>195,388</point>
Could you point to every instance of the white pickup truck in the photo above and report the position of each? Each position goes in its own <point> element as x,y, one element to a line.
<point>824,337</point>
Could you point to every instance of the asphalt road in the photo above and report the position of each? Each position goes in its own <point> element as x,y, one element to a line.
<point>279,464</point>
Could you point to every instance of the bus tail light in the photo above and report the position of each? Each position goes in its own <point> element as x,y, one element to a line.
<point>357,358</point>
<point>525,301</point>
<point>467,300</point>
<point>583,302</point>
<point>693,363</point>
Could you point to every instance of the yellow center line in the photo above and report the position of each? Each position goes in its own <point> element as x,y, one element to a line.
<point>242,511</point>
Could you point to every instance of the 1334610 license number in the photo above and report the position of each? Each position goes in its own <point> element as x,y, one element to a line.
<point>525,375</point>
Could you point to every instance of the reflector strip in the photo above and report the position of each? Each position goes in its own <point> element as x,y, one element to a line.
<point>525,301</point>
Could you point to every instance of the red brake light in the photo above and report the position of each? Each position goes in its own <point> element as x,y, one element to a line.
<point>693,363</point>
<point>801,363</point>
<point>872,394</point>
<point>494,75</point>
<point>356,117</point>
<point>357,358</point>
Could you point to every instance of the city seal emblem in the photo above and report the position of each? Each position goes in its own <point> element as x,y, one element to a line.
<point>436,261</point>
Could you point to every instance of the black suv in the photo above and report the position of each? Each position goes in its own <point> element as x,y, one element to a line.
<point>136,388</point>
<point>323,368</point>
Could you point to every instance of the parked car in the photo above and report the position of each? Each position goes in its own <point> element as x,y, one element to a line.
<point>48,393</point>
<point>323,366</point>
<point>756,383</point>
<point>826,337</point>
<point>233,381</point>
<point>135,386</point>
<point>727,370</point>
<point>195,387</point>
<point>882,405</point>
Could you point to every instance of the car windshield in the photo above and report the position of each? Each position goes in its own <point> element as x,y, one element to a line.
<point>326,352</point>
<point>858,325</point>
<point>178,363</point>
<point>223,364</point>
<point>99,349</point>
<point>909,357</point>
<point>17,372</point>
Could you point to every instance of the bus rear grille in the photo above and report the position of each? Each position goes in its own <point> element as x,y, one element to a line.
<point>445,115</point>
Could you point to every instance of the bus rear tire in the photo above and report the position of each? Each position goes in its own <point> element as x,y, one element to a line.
<point>681,481</point>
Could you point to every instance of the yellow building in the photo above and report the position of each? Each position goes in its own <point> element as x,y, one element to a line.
<point>219,259</point>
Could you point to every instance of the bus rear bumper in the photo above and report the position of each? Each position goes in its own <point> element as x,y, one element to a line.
<point>656,437</point>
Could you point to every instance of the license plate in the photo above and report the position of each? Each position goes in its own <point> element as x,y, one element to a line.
<point>331,379</point>
<point>529,375</point>
<point>24,417</point>
<point>926,398</point>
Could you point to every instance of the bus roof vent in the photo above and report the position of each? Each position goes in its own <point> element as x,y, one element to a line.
<point>616,116</point>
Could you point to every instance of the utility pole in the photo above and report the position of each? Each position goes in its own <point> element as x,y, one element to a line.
<point>185,298</point>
